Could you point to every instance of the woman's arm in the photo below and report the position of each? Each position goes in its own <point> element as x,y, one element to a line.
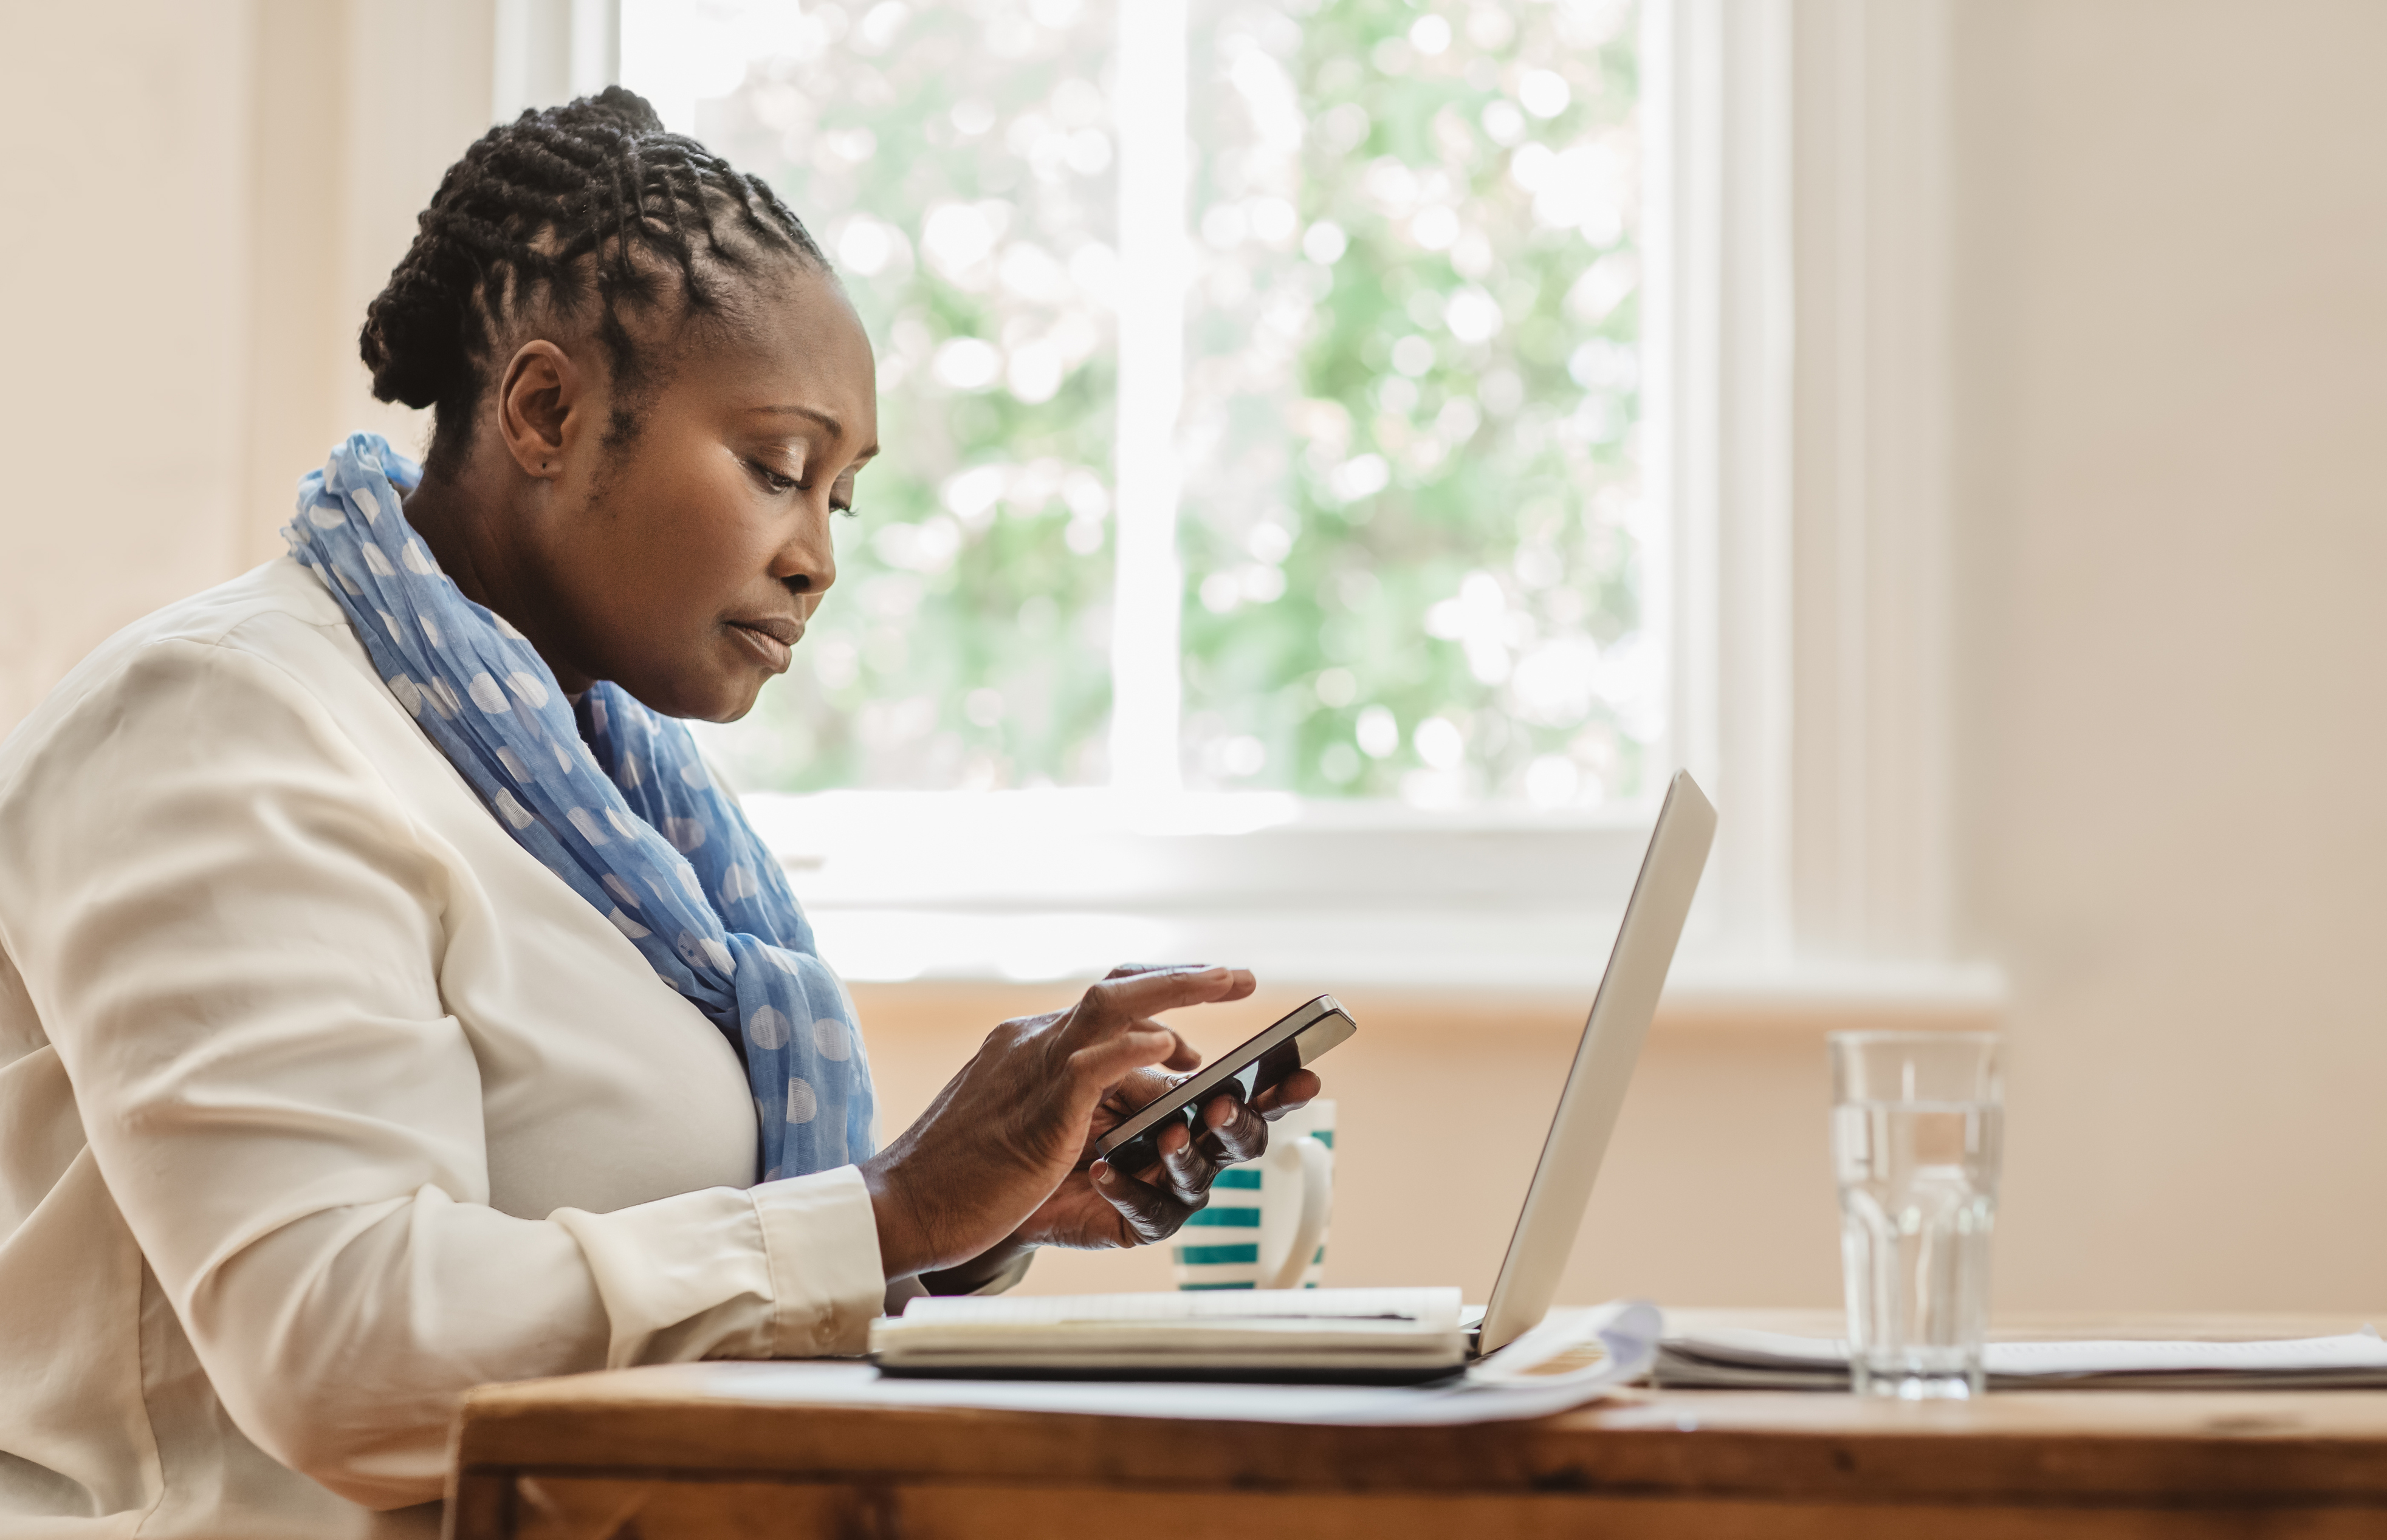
<point>233,931</point>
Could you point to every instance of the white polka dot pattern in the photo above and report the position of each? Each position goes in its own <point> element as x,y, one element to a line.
<point>766,1027</point>
<point>487,695</point>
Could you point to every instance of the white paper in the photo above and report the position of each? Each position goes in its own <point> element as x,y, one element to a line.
<point>1493,1390</point>
<point>2356,1350</point>
<point>1774,1358</point>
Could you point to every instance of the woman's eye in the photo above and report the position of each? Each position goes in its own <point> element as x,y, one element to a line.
<point>773,479</point>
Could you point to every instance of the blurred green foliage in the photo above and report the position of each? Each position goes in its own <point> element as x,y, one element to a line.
<point>1412,531</point>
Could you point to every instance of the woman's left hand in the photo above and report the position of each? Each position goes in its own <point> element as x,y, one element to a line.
<point>1097,1207</point>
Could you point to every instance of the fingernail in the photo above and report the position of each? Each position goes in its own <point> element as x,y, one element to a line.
<point>1101,1171</point>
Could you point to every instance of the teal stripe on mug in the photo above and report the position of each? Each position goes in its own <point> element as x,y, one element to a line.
<point>1239,1176</point>
<point>1324,1136</point>
<point>1231,1219</point>
<point>1191,1287</point>
<point>1206,1256</point>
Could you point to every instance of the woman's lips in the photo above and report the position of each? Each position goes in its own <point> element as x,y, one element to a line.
<point>772,641</point>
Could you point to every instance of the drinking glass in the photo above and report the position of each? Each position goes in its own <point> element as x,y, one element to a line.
<point>1917,1127</point>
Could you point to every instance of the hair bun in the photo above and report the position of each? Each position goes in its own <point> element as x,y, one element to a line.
<point>414,339</point>
<point>617,104</point>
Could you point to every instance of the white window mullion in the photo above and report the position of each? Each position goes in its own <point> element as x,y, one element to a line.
<point>1147,591</point>
<point>549,51</point>
<point>1873,765</point>
<point>1721,109</point>
<point>595,45</point>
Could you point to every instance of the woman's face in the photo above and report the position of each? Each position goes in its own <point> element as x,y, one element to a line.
<point>685,565</point>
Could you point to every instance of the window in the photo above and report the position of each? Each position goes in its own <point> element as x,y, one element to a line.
<point>1260,386</point>
<point>1430,570</point>
<point>1259,565</point>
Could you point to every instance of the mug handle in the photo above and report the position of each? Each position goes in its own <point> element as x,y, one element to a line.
<point>1317,1207</point>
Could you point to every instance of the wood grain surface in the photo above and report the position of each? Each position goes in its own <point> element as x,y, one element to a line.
<point>716,1449</point>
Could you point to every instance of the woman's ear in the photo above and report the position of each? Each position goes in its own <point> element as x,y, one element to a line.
<point>543,409</point>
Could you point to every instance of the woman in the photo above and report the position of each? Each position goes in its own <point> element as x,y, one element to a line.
<point>390,999</point>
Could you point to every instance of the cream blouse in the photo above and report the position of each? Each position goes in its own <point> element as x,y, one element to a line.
<point>289,1155</point>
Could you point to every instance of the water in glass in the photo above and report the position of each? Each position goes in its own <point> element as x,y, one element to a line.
<point>1917,1130</point>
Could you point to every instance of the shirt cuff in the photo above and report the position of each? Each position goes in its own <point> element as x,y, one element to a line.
<point>820,1240</point>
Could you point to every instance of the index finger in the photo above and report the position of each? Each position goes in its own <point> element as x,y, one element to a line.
<point>1115,1004</point>
<point>1129,970</point>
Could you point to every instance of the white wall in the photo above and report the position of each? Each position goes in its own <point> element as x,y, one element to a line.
<point>2172,395</point>
<point>125,272</point>
<point>199,227</point>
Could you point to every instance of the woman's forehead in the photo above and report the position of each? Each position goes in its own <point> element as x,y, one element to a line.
<point>798,354</point>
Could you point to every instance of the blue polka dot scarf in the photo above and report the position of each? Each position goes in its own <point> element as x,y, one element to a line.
<point>609,797</point>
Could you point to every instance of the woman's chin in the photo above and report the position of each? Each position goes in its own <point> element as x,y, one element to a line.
<point>714,697</point>
<point>736,711</point>
<point>733,698</point>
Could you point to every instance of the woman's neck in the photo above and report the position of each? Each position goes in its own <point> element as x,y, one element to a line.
<point>483,555</point>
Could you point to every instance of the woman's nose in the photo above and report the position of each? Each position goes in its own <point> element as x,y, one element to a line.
<point>807,562</point>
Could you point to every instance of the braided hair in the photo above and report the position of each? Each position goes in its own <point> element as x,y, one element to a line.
<point>591,201</point>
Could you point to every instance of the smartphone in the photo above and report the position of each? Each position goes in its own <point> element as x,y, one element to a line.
<point>1289,1045</point>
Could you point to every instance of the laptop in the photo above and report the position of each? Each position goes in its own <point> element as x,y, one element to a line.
<point>1613,1036</point>
<point>1383,1336</point>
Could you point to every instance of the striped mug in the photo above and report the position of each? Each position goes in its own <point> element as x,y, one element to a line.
<point>1265,1227</point>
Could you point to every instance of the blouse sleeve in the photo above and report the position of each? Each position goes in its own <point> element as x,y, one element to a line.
<point>231,930</point>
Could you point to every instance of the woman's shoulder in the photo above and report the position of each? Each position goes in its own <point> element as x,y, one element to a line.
<point>271,630</point>
<point>263,609</point>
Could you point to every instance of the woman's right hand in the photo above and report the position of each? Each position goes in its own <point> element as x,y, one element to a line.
<point>1007,1131</point>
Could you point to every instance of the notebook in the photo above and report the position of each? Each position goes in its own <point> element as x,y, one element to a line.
<point>1347,1335</point>
<point>1773,1360</point>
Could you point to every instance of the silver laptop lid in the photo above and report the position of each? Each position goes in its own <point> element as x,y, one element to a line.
<point>1603,1064</point>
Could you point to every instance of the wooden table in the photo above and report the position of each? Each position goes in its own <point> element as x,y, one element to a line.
<point>703,1450</point>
